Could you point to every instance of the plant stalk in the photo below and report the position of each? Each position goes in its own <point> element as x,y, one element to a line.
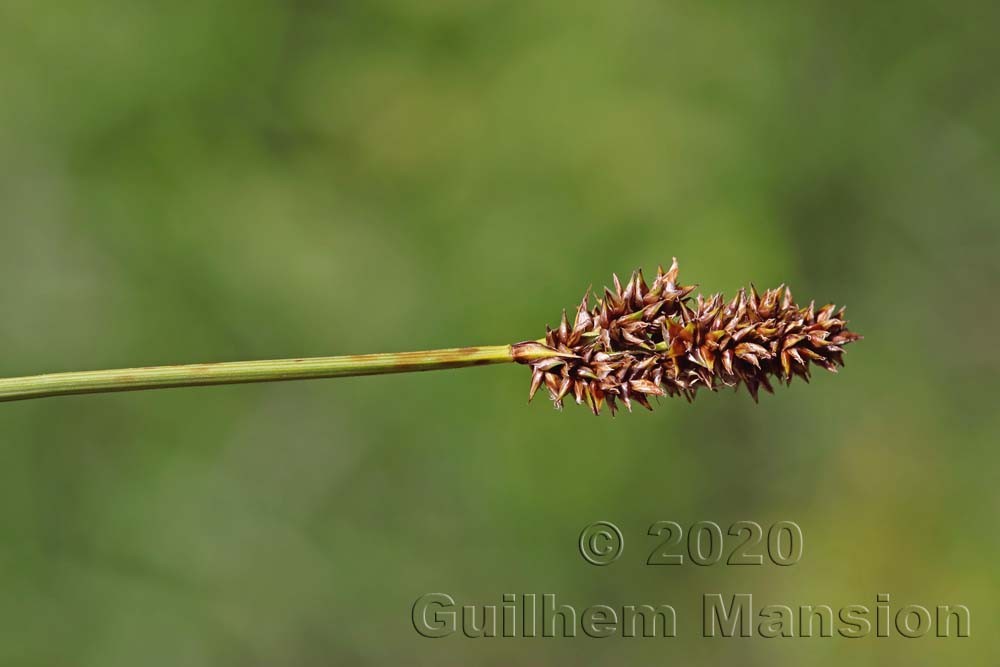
<point>238,372</point>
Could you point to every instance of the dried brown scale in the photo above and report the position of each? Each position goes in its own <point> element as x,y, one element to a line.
<point>645,340</point>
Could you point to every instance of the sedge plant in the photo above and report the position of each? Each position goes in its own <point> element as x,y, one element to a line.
<point>621,348</point>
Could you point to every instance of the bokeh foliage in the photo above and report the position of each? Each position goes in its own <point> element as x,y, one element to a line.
<point>233,180</point>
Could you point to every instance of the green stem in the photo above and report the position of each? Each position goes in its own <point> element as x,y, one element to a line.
<point>137,379</point>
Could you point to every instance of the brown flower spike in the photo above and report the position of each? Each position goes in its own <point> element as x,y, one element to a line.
<point>641,341</point>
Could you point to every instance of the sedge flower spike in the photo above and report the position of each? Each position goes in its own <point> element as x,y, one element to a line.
<point>636,341</point>
<point>639,341</point>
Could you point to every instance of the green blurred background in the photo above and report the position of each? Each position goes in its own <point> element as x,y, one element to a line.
<point>234,180</point>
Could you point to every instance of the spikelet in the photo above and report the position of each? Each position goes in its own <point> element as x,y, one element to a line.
<point>639,341</point>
